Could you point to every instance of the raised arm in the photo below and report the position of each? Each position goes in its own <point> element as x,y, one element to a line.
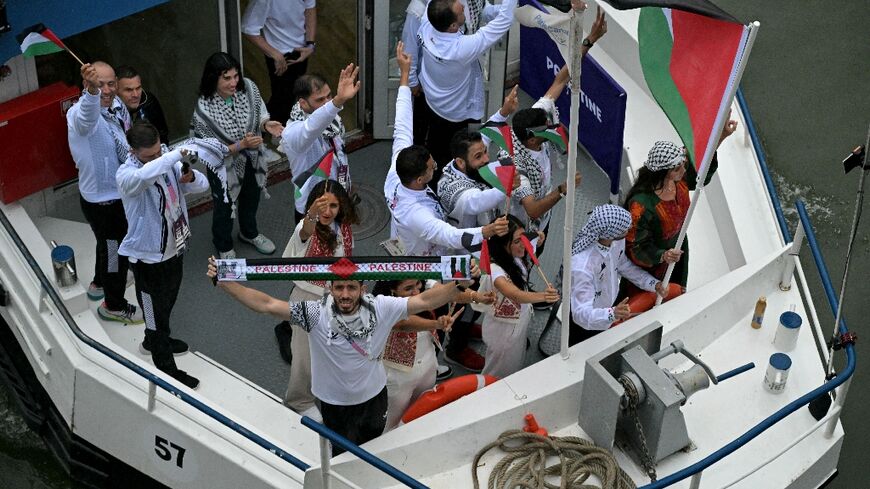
<point>84,115</point>
<point>471,47</point>
<point>252,299</point>
<point>433,298</point>
<point>403,127</point>
<point>133,181</point>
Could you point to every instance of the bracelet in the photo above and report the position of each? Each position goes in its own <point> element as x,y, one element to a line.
<point>311,219</point>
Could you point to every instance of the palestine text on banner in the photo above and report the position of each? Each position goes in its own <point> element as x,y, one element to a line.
<point>499,176</point>
<point>38,40</point>
<point>690,63</point>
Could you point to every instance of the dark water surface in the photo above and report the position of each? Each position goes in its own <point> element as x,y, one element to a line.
<point>808,87</point>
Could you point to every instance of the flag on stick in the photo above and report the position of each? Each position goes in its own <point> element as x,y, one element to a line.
<point>499,176</point>
<point>485,266</point>
<point>320,171</point>
<point>37,40</point>
<point>500,134</point>
<point>556,134</point>
<point>690,63</point>
<point>530,249</point>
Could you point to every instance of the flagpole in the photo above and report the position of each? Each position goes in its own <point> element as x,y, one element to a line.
<point>574,114</point>
<point>717,131</point>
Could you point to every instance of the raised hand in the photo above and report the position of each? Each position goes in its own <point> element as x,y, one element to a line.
<point>599,26</point>
<point>90,78</point>
<point>445,323</point>
<point>348,85</point>
<point>318,207</point>
<point>403,58</point>
<point>511,103</point>
<point>498,227</point>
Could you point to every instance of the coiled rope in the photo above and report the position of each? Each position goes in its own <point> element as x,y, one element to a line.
<point>525,465</point>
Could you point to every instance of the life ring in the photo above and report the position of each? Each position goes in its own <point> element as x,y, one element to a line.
<point>445,393</point>
<point>644,301</point>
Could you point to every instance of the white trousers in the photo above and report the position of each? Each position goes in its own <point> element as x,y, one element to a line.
<point>505,345</point>
<point>404,387</point>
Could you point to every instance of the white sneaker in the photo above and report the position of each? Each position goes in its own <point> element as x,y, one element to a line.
<point>227,255</point>
<point>263,244</point>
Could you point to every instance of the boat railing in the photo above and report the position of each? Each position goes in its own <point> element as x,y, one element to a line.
<point>327,435</point>
<point>841,380</point>
<point>154,381</point>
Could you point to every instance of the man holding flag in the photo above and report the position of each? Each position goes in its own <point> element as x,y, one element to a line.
<point>313,136</point>
<point>95,128</point>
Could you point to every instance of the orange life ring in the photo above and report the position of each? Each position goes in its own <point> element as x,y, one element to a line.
<point>445,393</point>
<point>644,301</point>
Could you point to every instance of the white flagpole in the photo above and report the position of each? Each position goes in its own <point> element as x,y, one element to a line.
<point>717,130</point>
<point>574,114</point>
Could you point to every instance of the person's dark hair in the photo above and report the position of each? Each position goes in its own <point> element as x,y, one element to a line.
<point>462,141</point>
<point>528,118</point>
<point>647,182</point>
<point>142,134</point>
<point>346,210</point>
<point>305,85</point>
<point>412,163</point>
<point>216,65</point>
<point>499,254</point>
<point>440,13</point>
<point>126,71</point>
<point>386,287</point>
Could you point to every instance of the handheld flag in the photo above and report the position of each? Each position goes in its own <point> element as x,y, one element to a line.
<point>854,160</point>
<point>530,249</point>
<point>37,40</point>
<point>485,266</point>
<point>320,171</point>
<point>556,134</point>
<point>500,134</point>
<point>690,63</point>
<point>499,176</point>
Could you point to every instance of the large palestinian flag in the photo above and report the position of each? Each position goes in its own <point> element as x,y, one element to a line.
<point>37,40</point>
<point>691,63</point>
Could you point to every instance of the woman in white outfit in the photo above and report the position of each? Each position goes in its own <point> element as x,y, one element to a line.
<point>324,232</point>
<point>505,325</point>
<point>409,356</point>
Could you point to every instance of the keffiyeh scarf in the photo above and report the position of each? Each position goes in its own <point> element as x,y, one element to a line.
<point>607,221</point>
<point>119,116</point>
<point>228,123</point>
<point>357,330</point>
<point>453,182</point>
<point>335,128</point>
<point>664,155</point>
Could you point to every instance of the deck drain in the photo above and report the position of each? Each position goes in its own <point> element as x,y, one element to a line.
<point>372,211</point>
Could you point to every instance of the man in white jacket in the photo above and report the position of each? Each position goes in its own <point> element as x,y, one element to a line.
<point>598,261</point>
<point>450,73</point>
<point>152,184</point>
<point>315,130</point>
<point>95,130</point>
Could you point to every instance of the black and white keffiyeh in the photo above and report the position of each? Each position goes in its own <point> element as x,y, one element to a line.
<point>118,115</point>
<point>472,15</point>
<point>664,155</point>
<point>335,128</point>
<point>210,152</point>
<point>607,221</point>
<point>452,184</point>
<point>213,118</point>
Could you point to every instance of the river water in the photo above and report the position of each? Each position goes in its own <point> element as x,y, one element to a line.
<point>808,87</point>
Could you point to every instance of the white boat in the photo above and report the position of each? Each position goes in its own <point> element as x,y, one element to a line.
<point>109,404</point>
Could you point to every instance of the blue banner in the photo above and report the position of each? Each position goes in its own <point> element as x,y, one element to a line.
<point>64,18</point>
<point>602,100</point>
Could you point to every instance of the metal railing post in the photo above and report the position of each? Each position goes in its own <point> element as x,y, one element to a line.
<point>152,395</point>
<point>841,401</point>
<point>695,483</point>
<point>325,457</point>
<point>793,255</point>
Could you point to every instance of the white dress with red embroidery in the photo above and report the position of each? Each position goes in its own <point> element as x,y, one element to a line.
<point>411,367</point>
<point>504,330</point>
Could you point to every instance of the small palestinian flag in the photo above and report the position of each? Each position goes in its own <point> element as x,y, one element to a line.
<point>499,176</point>
<point>38,40</point>
<point>556,134</point>
<point>530,249</point>
<point>321,172</point>
<point>500,134</point>
<point>485,266</point>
